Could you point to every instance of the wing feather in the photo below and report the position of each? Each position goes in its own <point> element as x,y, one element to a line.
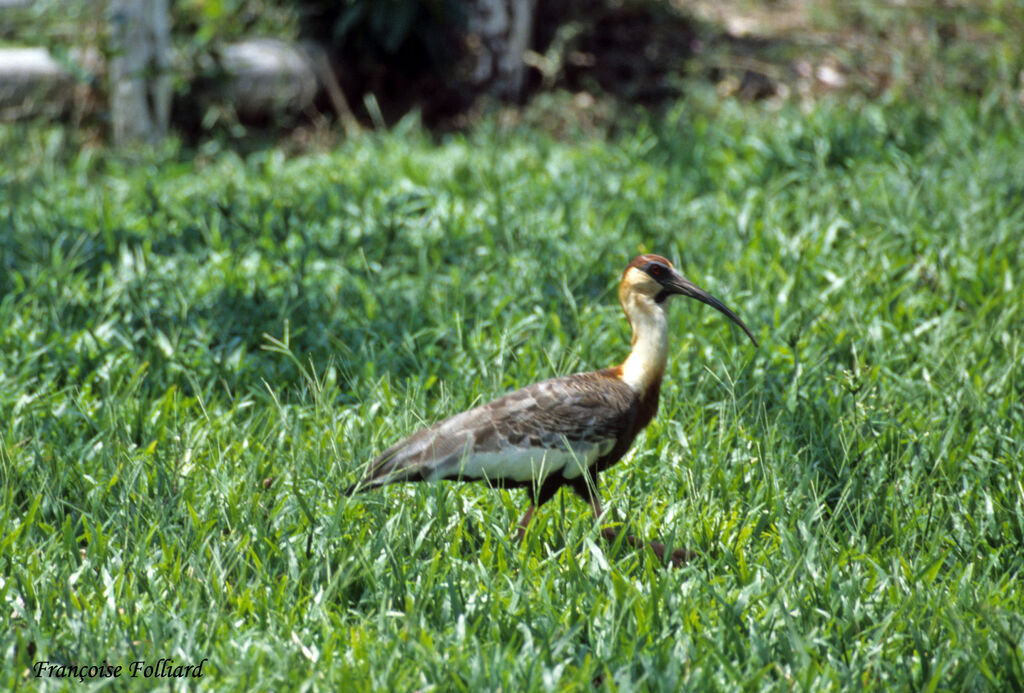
<point>558,425</point>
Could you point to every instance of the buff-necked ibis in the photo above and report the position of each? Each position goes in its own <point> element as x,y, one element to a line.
<point>563,431</point>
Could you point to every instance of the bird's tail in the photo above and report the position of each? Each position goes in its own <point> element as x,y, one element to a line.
<point>390,477</point>
<point>359,486</point>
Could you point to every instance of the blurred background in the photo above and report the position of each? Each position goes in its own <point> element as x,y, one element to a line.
<point>308,71</point>
<point>218,301</point>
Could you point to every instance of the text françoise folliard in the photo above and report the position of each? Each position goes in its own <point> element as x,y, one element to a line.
<point>164,668</point>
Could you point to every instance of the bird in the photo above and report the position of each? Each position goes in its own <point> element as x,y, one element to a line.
<point>564,431</point>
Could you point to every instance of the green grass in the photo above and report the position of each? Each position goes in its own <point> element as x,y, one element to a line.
<point>196,354</point>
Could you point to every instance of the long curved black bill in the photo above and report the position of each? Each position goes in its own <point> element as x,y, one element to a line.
<point>683,286</point>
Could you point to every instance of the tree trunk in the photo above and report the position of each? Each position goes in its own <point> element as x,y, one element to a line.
<point>140,80</point>
<point>498,38</point>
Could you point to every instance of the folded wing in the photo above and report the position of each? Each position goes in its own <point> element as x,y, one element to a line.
<point>559,426</point>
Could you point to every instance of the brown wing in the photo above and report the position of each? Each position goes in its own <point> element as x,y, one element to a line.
<point>558,426</point>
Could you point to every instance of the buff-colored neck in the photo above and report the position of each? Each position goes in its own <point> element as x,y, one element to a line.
<point>645,365</point>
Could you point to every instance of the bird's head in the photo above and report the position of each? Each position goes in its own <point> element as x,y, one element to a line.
<point>653,280</point>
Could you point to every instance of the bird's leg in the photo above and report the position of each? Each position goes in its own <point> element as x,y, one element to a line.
<point>524,523</point>
<point>541,494</point>
<point>610,534</point>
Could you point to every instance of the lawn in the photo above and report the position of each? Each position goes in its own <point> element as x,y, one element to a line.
<point>197,351</point>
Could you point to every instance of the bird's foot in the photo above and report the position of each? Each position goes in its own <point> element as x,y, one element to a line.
<point>678,557</point>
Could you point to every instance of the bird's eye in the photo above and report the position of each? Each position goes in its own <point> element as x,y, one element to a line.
<point>655,270</point>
